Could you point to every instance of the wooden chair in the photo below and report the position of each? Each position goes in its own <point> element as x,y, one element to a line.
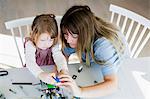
<point>135,28</point>
<point>19,28</point>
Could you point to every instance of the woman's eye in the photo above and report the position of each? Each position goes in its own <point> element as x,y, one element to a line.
<point>75,35</point>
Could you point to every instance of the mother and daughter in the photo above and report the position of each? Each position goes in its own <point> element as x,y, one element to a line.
<point>95,41</point>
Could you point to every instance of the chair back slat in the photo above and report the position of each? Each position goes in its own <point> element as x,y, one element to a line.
<point>13,34</point>
<point>142,45</point>
<point>21,33</point>
<point>129,30</point>
<point>134,35</point>
<point>134,27</point>
<point>138,42</point>
<point>112,17</point>
<point>124,24</point>
<point>118,19</point>
<point>28,28</point>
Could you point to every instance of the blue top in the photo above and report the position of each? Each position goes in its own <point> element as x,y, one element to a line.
<point>104,51</point>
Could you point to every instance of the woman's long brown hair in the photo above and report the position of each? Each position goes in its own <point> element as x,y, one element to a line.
<point>81,20</point>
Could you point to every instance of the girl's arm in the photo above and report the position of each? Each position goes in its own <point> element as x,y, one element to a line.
<point>31,60</point>
<point>59,58</point>
<point>33,66</point>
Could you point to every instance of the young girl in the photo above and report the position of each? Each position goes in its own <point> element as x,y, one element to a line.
<point>41,48</point>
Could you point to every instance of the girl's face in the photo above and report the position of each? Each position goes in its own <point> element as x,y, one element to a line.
<point>44,41</point>
<point>71,39</point>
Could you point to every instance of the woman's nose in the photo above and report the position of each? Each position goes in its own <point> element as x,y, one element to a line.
<point>69,39</point>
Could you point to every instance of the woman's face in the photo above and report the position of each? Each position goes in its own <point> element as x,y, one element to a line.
<point>44,41</point>
<point>71,38</point>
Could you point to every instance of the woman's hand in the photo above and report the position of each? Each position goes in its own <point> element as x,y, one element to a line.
<point>67,81</point>
<point>47,77</point>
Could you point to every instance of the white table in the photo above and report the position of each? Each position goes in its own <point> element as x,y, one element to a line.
<point>21,75</point>
<point>134,81</point>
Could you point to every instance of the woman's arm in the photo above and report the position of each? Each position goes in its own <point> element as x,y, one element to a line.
<point>98,90</point>
<point>104,51</point>
<point>101,89</point>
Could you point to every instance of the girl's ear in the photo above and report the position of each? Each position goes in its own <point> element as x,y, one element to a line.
<point>35,38</point>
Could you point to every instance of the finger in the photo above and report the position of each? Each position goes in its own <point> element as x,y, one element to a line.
<point>52,74</point>
<point>66,80</point>
<point>64,76</point>
<point>66,84</point>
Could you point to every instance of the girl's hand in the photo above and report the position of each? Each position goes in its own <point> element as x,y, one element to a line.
<point>47,77</point>
<point>67,81</point>
<point>63,71</point>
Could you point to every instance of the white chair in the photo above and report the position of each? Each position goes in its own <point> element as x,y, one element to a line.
<point>22,26</point>
<point>135,28</point>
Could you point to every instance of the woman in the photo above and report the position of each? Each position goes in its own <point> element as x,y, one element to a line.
<point>96,43</point>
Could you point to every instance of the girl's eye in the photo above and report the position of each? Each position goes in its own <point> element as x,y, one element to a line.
<point>42,40</point>
<point>51,40</point>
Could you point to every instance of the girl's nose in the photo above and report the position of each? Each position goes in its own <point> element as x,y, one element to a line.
<point>48,43</point>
